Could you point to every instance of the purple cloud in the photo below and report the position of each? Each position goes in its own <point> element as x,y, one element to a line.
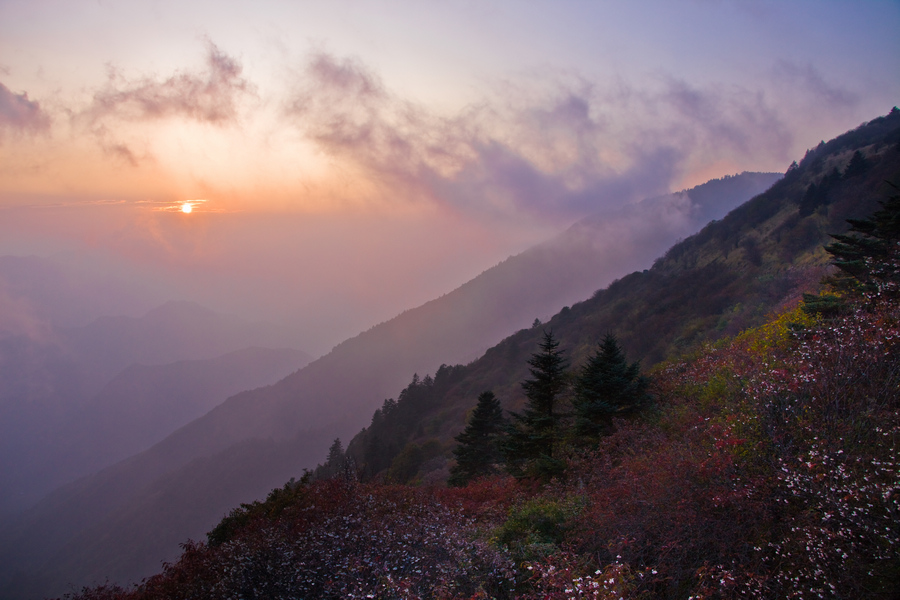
<point>18,113</point>
<point>735,118</point>
<point>810,80</point>
<point>209,96</point>
<point>556,157</point>
<point>467,161</point>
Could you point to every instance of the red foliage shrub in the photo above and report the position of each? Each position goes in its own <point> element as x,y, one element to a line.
<point>771,469</point>
<point>341,540</point>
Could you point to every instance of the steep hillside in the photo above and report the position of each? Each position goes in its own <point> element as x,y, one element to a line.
<point>766,466</point>
<point>50,378</point>
<point>760,257</point>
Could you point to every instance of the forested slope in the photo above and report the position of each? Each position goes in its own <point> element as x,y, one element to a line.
<point>760,258</point>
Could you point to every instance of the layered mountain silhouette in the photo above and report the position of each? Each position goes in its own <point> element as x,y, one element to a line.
<point>68,392</point>
<point>36,291</point>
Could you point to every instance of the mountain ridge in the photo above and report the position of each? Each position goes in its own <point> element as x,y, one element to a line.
<point>760,257</point>
<point>50,375</point>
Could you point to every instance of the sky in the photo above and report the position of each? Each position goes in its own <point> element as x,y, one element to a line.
<point>346,160</point>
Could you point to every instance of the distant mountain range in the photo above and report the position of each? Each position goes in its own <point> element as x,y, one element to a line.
<point>35,290</point>
<point>76,399</point>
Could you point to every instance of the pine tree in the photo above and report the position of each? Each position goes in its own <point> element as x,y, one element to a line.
<point>531,444</point>
<point>867,258</point>
<point>857,166</point>
<point>607,387</point>
<point>334,464</point>
<point>478,452</point>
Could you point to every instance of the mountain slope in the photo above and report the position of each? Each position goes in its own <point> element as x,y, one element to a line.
<point>144,404</point>
<point>760,257</point>
<point>50,377</point>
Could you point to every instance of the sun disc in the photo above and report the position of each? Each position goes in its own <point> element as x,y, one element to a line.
<point>186,207</point>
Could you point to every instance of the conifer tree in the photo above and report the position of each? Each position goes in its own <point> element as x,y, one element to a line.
<point>531,444</point>
<point>857,166</point>
<point>334,463</point>
<point>867,258</point>
<point>607,387</point>
<point>478,452</point>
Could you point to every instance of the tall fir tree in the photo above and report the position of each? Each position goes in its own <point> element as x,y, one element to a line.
<point>533,436</point>
<point>867,259</point>
<point>858,165</point>
<point>478,451</point>
<point>334,463</point>
<point>607,387</point>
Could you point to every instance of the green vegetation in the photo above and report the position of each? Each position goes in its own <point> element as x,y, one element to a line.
<point>533,439</point>
<point>478,451</point>
<point>729,277</point>
<point>771,470</point>
<point>868,258</point>
<point>607,388</point>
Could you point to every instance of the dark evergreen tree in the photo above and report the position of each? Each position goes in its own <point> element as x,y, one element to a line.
<point>478,452</point>
<point>817,195</point>
<point>811,200</point>
<point>867,258</point>
<point>334,463</point>
<point>857,166</point>
<point>335,453</point>
<point>531,444</point>
<point>607,387</point>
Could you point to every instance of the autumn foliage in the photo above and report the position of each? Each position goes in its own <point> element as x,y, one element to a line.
<point>770,469</point>
<point>337,539</point>
<point>772,472</point>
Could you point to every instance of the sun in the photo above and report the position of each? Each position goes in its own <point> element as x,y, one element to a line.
<point>186,207</point>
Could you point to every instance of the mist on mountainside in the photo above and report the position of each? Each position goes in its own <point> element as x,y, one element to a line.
<point>80,390</point>
<point>232,232</point>
<point>607,245</point>
<point>38,292</point>
<point>733,275</point>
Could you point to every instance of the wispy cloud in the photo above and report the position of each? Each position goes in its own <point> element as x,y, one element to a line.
<point>733,119</point>
<point>209,96</point>
<point>813,83</point>
<point>558,154</point>
<point>542,149</point>
<point>19,114</point>
<point>539,160</point>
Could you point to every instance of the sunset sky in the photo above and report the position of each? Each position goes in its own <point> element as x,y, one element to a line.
<point>345,160</point>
